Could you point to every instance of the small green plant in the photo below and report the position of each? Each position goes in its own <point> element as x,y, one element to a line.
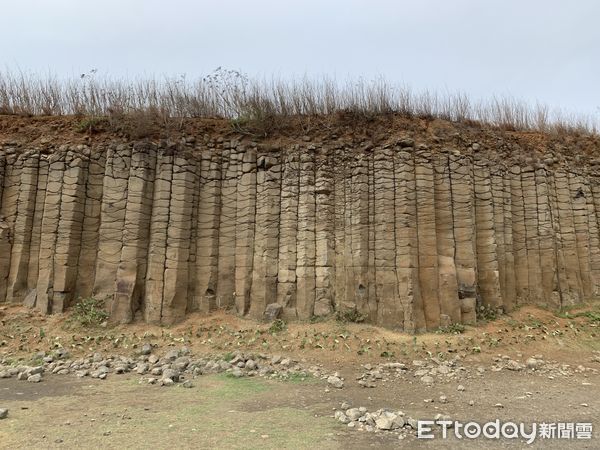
<point>455,328</point>
<point>318,319</point>
<point>89,312</point>
<point>277,326</point>
<point>350,315</point>
<point>593,316</point>
<point>365,349</point>
<point>36,361</point>
<point>486,313</point>
<point>91,125</point>
<point>228,356</point>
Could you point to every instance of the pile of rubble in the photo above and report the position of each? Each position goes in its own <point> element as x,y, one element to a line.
<point>427,371</point>
<point>382,420</point>
<point>174,366</point>
<point>538,365</point>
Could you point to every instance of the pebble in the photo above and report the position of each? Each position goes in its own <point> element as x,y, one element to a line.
<point>336,382</point>
<point>146,349</point>
<point>427,379</point>
<point>3,413</point>
<point>35,378</point>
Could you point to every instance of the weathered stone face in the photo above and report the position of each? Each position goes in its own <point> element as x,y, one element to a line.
<point>410,238</point>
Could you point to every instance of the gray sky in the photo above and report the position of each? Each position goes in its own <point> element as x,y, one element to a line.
<point>544,50</point>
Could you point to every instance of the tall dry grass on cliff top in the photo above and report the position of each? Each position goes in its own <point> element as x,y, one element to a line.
<point>230,94</point>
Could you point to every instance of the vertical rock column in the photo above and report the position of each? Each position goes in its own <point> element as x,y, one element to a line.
<point>519,236</point>
<point>593,236</point>
<point>562,284</point>
<point>427,239</point>
<point>407,245</point>
<point>594,211</point>
<point>50,223</point>
<point>580,221</point>
<point>572,288</point>
<point>288,231</point>
<point>4,236</point>
<point>487,264</point>
<point>36,230</point>
<point>68,242</point>
<point>461,179</point>
<point>325,241</point>
<point>91,221</point>
<point>112,221</point>
<point>390,312</point>
<point>339,173</point>
<point>131,272</point>
<point>358,282</point>
<point>176,272</point>
<point>534,269</point>
<point>509,293</point>
<point>349,292</point>
<point>10,196</point>
<point>446,246</point>
<point>496,188</point>
<point>159,229</point>
<point>19,258</point>
<point>226,272</point>
<point>266,240</point>
<point>372,298</point>
<point>207,237</point>
<point>547,242</point>
<point>305,262</point>
<point>196,162</point>
<point>244,229</point>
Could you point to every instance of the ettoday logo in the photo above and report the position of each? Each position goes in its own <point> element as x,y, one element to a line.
<point>505,430</point>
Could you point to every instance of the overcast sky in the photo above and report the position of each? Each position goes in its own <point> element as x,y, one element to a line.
<point>545,50</point>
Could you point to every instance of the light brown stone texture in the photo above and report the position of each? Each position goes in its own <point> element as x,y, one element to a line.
<point>408,237</point>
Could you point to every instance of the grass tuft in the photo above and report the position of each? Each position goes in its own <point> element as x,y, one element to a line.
<point>89,312</point>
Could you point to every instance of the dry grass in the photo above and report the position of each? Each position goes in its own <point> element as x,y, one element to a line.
<point>261,104</point>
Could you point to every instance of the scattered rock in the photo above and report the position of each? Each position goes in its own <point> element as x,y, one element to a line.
<point>3,413</point>
<point>354,414</point>
<point>427,379</point>
<point>339,415</point>
<point>146,349</point>
<point>171,355</point>
<point>171,374</point>
<point>35,378</point>
<point>336,382</point>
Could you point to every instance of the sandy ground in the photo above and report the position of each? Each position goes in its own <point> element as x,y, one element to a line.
<point>222,412</point>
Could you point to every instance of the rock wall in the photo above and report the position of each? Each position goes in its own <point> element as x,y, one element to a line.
<point>410,237</point>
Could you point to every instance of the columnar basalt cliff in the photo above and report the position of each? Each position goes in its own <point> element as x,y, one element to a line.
<point>411,231</point>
